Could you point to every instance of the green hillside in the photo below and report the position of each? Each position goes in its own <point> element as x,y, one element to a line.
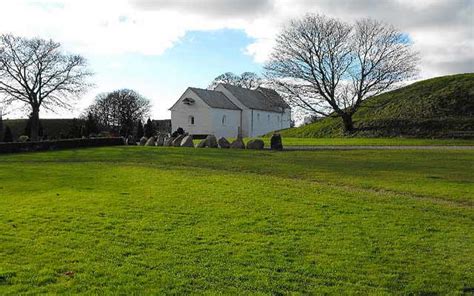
<point>441,107</point>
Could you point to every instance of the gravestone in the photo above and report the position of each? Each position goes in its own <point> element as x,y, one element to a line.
<point>223,143</point>
<point>275,142</point>
<point>177,140</point>
<point>187,141</point>
<point>150,142</point>
<point>160,140</point>
<point>237,144</point>
<point>211,141</point>
<point>255,144</point>
<point>168,142</point>
<point>143,141</point>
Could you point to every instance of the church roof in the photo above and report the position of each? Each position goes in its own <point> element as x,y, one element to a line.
<point>264,99</point>
<point>214,99</point>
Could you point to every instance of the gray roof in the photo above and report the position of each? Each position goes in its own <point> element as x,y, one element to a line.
<point>264,99</point>
<point>214,99</point>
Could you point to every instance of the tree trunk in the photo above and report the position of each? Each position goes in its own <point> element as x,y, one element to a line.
<point>35,124</point>
<point>348,123</point>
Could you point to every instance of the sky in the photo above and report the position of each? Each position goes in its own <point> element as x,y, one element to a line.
<point>161,47</point>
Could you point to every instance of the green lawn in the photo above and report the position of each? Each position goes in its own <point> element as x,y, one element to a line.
<point>150,220</point>
<point>371,142</point>
<point>288,142</point>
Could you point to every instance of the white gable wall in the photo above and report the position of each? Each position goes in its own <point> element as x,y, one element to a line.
<point>180,115</point>
<point>207,120</point>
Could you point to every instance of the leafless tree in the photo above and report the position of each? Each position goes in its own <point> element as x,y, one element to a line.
<point>37,73</point>
<point>328,67</point>
<point>120,110</point>
<point>248,80</point>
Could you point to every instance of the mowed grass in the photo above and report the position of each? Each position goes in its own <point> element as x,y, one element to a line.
<point>372,142</point>
<point>288,142</point>
<point>142,220</point>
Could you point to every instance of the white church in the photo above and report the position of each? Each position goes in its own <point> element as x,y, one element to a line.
<point>222,111</point>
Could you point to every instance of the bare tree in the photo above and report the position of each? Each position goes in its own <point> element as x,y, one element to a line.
<point>328,67</point>
<point>248,80</point>
<point>37,73</point>
<point>120,110</point>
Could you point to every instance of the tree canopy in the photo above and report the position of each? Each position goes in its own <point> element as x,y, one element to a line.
<point>119,111</point>
<point>248,80</point>
<point>37,73</point>
<point>325,66</point>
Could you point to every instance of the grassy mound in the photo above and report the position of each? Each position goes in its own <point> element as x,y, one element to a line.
<point>441,107</point>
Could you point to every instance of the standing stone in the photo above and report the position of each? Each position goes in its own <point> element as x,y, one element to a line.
<point>168,142</point>
<point>211,141</point>
<point>223,143</point>
<point>143,141</point>
<point>187,141</point>
<point>150,142</point>
<point>238,144</point>
<point>202,144</point>
<point>276,143</point>
<point>177,140</point>
<point>160,140</point>
<point>255,144</point>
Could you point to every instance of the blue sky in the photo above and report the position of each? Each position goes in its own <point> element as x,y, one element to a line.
<point>160,47</point>
<point>195,60</point>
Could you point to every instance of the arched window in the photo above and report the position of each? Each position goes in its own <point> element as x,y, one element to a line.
<point>258,116</point>
<point>191,119</point>
<point>268,117</point>
<point>224,120</point>
<point>278,117</point>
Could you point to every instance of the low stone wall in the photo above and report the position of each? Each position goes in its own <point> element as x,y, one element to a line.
<point>59,144</point>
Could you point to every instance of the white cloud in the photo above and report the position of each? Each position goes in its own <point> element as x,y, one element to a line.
<point>212,8</point>
<point>442,30</point>
<point>152,26</point>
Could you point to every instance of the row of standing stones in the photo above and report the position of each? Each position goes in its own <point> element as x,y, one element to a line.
<point>210,141</point>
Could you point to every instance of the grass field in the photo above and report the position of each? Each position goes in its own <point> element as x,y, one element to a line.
<point>371,142</point>
<point>288,142</point>
<point>141,220</point>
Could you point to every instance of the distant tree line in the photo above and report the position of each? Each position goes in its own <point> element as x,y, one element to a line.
<point>247,80</point>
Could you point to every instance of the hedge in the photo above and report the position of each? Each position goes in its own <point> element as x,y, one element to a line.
<point>59,144</point>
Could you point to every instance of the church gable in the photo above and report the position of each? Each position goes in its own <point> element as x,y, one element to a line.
<point>189,100</point>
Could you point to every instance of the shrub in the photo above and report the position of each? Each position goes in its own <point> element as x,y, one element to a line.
<point>139,132</point>
<point>149,128</point>
<point>59,144</point>
<point>8,136</point>
<point>178,132</point>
